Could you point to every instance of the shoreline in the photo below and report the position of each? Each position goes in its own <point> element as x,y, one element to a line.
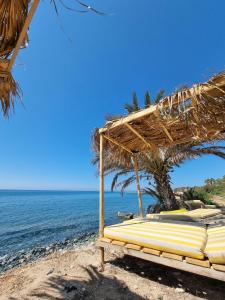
<point>74,274</point>
<point>26,256</point>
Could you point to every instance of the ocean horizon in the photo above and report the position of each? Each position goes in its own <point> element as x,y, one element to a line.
<point>38,218</point>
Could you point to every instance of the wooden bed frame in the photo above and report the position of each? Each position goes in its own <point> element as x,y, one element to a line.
<point>197,266</point>
<point>200,267</point>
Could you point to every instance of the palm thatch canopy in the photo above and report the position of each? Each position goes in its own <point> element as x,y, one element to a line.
<point>193,115</point>
<point>15,18</point>
<point>12,15</point>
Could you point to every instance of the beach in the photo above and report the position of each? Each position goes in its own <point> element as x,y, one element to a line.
<point>75,274</point>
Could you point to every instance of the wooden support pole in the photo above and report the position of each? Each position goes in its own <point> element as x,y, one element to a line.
<point>101,197</point>
<point>141,210</point>
<point>23,32</point>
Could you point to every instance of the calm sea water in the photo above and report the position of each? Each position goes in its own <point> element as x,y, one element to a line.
<point>38,218</point>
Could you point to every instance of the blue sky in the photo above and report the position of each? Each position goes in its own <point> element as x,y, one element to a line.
<point>73,77</point>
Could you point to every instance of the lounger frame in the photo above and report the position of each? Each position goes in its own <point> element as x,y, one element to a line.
<point>200,267</point>
<point>180,264</point>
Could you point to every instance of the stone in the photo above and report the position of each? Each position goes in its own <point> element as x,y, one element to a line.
<point>50,271</point>
<point>179,290</point>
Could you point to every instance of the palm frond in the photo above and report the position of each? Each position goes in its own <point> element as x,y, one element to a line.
<point>135,102</point>
<point>152,193</point>
<point>213,150</point>
<point>147,99</point>
<point>129,108</point>
<point>161,94</point>
<point>9,91</point>
<point>114,183</point>
<point>125,183</point>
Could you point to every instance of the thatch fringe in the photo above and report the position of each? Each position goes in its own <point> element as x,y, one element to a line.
<point>9,89</point>
<point>195,114</point>
<point>12,17</point>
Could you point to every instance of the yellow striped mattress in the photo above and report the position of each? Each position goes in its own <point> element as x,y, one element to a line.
<point>199,213</point>
<point>215,246</point>
<point>203,212</point>
<point>183,239</point>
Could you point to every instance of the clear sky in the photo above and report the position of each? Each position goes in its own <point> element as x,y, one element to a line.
<point>73,77</point>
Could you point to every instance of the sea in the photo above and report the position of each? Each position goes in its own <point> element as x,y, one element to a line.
<point>30,219</point>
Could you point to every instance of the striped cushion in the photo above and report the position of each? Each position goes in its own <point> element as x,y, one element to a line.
<point>203,212</point>
<point>199,213</point>
<point>215,247</point>
<point>182,239</point>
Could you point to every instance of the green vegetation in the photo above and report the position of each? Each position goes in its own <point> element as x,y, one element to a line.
<point>204,193</point>
<point>215,186</point>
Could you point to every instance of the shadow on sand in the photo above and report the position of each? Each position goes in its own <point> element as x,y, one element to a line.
<point>196,285</point>
<point>97,287</point>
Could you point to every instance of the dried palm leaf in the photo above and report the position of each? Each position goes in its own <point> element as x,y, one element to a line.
<point>9,89</point>
<point>12,17</point>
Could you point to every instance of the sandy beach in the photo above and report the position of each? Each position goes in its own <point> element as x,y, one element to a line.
<point>75,274</point>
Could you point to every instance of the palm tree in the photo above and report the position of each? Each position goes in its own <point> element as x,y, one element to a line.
<point>155,169</point>
<point>134,106</point>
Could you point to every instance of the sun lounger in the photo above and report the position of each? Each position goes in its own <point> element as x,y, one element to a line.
<point>200,213</point>
<point>215,246</point>
<point>183,239</point>
<point>191,247</point>
<point>195,204</point>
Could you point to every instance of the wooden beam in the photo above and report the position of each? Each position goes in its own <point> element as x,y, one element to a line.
<point>218,267</point>
<point>175,264</point>
<point>140,204</point>
<point>133,246</point>
<point>151,251</point>
<point>130,118</point>
<point>101,195</point>
<point>173,256</point>
<point>117,143</point>
<point>153,108</point>
<point>198,262</point>
<point>101,198</point>
<point>118,243</point>
<point>23,32</point>
<point>156,113</point>
<point>139,135</point>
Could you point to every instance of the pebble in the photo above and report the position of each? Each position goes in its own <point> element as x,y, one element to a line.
<point>50,271</point>
<point>23,257</point>
<point>159,278</point>
<point>179,290</point>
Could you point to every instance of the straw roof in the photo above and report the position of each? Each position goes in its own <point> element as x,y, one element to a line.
<point>12,15</point>
<point>14,20</point>
<point>191,115</point>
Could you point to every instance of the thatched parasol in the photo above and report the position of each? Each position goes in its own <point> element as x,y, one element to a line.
<point>15,18</point>
<point>192,115</point>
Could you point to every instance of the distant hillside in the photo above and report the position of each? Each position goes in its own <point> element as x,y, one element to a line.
<point>215,186</point>
<point>209,192</point>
